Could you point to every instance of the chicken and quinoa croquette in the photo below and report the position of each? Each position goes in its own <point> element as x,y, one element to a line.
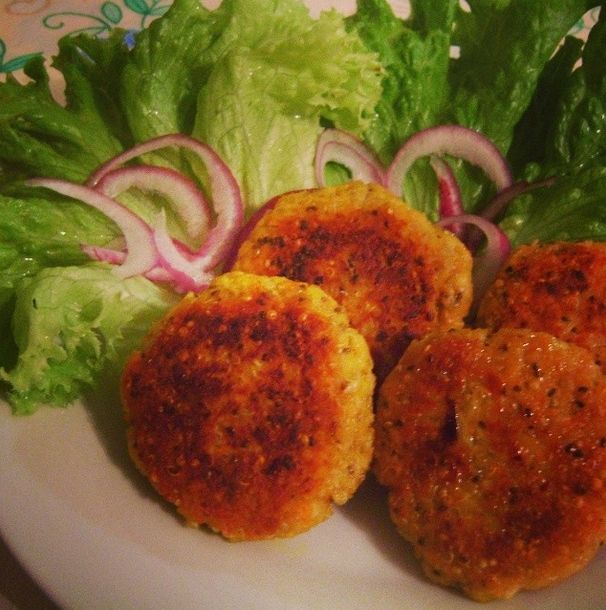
<point>396,274</point>
<point>559,288</point>
<point>493,449</point>
<point>250,407</point>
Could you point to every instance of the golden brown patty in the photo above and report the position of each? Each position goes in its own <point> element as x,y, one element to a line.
<point>493,447</point>
<point>396,274</point>
<point>558,288</point>
<point>250,408</point>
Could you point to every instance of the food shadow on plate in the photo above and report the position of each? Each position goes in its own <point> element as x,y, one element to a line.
<point>369,511</point>
<point>106,415</point>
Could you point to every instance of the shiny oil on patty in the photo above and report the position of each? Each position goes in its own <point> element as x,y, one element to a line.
<point>493,448</point>
<point>559,288</point>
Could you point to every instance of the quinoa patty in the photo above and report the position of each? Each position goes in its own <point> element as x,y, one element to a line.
<point>250,407</point>
<point>493,448</point>
<point>559,288</point>
<point>397,275</point>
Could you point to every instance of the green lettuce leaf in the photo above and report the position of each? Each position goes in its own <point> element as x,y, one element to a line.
<point>415,60</point>
<point>39,229</point>
<point>573,209</point>
<point>41,136</point>
<point>167,67</point>
<point>277,77</point>
<point>71,324</point>
<point>564,127</point>
<point>562,136</point>
<point>415,55</point>
<point>504,45</point>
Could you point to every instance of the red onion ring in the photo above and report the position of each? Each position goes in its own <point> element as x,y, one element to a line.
<point>186,198</point>
<point>453,140</point>
<point>450,195</point>
<point>225,193</point>
<point>105,255</point>
<point>472,236</point>
<point>489,261</point>
<point>187,272</point>
<point>341,147</point>
<point>116,257</point>
<point>141,253</point>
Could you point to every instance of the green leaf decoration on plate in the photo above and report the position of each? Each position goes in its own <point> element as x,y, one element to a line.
<point>99,25</point>
<point>13,64</point>
<point>112,12</point>
<point>110,16</point>
<point>146,9</point>
<point>138,6</point>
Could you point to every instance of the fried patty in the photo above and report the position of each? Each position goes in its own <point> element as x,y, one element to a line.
<point>396,274</point>
<point>250,407</point>
<point>493,448</point>
<point>559,288</point>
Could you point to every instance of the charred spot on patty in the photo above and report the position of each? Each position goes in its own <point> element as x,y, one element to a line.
<point>397,275</point>
<point>248,404</point>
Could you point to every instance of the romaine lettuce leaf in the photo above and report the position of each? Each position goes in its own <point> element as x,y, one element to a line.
<point>572,209</point>
<point>564,127</point>
<point>443,64</point>
<point>415,55</point>
<point>562,136</point>
<point>504,45</point>
<point>534,133</point>
<point>70,324</point>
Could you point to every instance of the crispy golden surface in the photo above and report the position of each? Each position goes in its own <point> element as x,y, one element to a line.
<point>493,447</point>
<point>250,408</point>
<point>396,274</point>
<point>558,288</point>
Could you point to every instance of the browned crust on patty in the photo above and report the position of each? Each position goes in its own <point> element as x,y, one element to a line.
<point>250,408</point>
<point>559,288</point>
<point>493,447</point>
<point>396,274</point>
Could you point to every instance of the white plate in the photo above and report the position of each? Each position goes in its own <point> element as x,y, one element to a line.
<point>91,531</point>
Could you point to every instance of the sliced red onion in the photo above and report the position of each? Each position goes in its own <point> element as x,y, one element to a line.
<point>186,198</point>
<point>487,264</point>
<point>104,255</point>
<point>454,140</point>
<point>450,194</point>
<point>186,272</point>
<point>116,257</point>
<point>225,193</point>
<point>141,252</point>
<point>341,147</point>
<point>472,236</point>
